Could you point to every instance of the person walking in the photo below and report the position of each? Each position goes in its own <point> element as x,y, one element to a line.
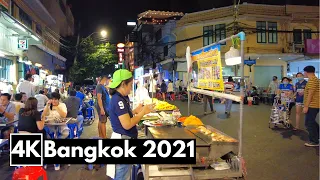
<point>229,87</point>
<point>26,86</point>
<point>311,106</point>
<point>208,99</point>
<point>273,87</point>
<point>176,86</point>
<point>192,93</point>
<point>170,90</point>
<point>299,94</point>
<point>153,86</point>
<point>163,88</point>
<point>103,106</point>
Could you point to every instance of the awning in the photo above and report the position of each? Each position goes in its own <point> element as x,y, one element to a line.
<point>36,55</point>
<point>54,54</point>
<point>20,29</point>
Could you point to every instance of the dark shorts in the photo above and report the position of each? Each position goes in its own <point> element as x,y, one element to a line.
<point>103,119</point>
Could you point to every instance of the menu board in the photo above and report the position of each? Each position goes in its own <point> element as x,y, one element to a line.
<point>209,68</point>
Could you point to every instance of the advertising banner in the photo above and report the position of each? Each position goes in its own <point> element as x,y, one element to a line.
<point>209,68</point>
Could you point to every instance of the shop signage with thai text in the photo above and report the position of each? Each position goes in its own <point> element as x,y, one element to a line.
<point>209,68</point>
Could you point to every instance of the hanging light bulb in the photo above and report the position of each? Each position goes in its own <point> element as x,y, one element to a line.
<point>232,57</point>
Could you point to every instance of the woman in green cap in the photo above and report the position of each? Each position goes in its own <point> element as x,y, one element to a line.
<point>123,119</point>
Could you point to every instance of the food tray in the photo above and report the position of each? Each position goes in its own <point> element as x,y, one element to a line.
<point>207,138</point>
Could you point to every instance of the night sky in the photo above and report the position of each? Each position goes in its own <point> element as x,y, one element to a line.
<point>112,15</point>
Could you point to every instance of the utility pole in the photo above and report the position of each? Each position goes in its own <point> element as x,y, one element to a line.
<point>235,16</point>
<point>77,45</point>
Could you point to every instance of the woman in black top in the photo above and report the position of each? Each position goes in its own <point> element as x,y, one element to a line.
<point>29,118</point>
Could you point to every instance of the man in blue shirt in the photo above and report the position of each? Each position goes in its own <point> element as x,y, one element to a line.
<point>299,92</point>
<point>81,96</point>
<point>103,105</point>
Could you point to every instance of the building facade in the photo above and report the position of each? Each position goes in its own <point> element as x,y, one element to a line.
<point>31,33</point>
<point>275,36</point>
<point>151,37</point>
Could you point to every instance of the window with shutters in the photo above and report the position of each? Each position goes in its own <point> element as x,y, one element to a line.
<point>307,34</point>
<point>297,36</point>
<point>207,35</point>
<point>220,32</point>
<point>261,32</point>
<point>272,32</point>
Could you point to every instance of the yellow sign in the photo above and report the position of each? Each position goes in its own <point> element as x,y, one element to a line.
<point>120,45</point>
<point>209,68</point>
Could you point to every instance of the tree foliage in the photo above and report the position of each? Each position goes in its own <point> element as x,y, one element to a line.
<point>92,60</point>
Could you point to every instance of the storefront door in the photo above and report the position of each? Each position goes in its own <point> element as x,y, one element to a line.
<point>263,74</point>
<point>5,67</point>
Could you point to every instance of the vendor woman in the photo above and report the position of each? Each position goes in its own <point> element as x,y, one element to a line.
<point>123,119</point>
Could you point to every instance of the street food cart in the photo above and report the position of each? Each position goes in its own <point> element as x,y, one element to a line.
<point>211,144</point>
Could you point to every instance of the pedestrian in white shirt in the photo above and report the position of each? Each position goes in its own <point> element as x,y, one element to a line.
<point>192,86</point>
<point>153,86</point>
<point>7,88</point>
<point>26,86</point>
<point>42,100</point>
<point>176,85</point>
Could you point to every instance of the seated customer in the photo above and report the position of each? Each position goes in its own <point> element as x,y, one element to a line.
<point>82,97</point>
<point>18,104</point>
<point>73,104</point>
<point>56,109</point>
<point>30,118</point>
<point>42,100</point>
<point>7,112</point>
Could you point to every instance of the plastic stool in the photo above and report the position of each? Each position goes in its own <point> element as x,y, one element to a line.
<point>48,132</point>
<point>30,173</point>
<point>90,113</point>
<point>91,103</point>
<point>15,130</point>
<point>73,127</point>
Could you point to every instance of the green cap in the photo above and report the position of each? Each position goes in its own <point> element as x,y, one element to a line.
<point>119,76</point>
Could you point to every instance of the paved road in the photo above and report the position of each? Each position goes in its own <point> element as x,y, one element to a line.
<point>269,154</point>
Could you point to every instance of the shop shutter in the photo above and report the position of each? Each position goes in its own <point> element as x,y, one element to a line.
<point>263,75</point>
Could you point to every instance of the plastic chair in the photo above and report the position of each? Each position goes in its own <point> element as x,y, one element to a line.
<point>30,173</point>
<point>48,132</point>
<point>80,130</point>
<point>91,102</point>
<point>15,130</point>
<point>73,130</point>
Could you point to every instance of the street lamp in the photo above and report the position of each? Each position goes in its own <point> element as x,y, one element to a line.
<point>103,33</point>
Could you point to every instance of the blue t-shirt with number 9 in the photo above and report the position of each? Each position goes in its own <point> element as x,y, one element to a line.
<point>119,106</point>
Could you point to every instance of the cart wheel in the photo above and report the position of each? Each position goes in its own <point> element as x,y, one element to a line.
<point>288,125</point>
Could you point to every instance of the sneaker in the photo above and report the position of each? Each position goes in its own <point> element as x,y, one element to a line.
<point>311,144</point>
<point>57,167</point>
<point>226,112</point>
<point>44,166</point>
<point>205,113</point>
<point>213,111</point>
